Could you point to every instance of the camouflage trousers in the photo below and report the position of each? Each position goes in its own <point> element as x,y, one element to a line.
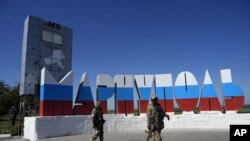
<point>98,133</point>
<point>157,135</point>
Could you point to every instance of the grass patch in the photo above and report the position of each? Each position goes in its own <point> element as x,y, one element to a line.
<point>245,109</point>
<point>6,127</point>
<point>178,111</point>
<point>111,112</point>
<point>136,112</point>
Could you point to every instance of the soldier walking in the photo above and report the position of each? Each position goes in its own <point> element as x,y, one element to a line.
<point>97,121</point>
<point>155,117</point>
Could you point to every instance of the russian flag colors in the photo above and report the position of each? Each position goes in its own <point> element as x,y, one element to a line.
<point>130,91</point>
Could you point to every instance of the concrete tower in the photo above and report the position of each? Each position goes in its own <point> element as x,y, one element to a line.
<point>46,44</point>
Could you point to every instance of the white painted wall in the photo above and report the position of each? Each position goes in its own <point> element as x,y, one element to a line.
<point>44,127</point>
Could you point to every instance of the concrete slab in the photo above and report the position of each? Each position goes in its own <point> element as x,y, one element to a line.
<point>167,135</point>
<point>4,135</point>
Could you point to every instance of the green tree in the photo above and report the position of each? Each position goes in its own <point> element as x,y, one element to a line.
<point>15,100</point>
<point>4,90</point>
<point>9,98</point>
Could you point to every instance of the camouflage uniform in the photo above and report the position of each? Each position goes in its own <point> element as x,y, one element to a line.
<point>155,117</point>
<point>97,122</point>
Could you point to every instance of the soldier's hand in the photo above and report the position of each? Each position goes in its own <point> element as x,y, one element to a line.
<point>167,116</point>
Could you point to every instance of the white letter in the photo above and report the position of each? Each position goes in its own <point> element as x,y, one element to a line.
<point>237,132</point>
<point>243,131</point>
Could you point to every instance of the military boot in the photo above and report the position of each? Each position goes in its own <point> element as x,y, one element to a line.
<point>92,139</point>
<point>101,138</point>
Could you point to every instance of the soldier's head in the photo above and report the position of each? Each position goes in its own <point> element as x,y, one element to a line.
<point>154,98</point>
<point>98,104</point>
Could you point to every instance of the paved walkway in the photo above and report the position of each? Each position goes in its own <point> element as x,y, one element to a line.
<point>139,135</point>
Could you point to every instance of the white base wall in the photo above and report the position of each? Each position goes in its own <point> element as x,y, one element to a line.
<point>44,127</point>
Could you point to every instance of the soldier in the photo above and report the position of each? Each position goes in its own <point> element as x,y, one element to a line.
<point>155,117</point>
<point>97,121</point>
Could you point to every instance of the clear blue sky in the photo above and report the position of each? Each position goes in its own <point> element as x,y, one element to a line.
<point>139,37</point>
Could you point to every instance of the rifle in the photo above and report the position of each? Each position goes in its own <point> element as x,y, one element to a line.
<point>150,134</point>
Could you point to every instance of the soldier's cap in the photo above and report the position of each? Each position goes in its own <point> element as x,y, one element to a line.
<point>154,97</point>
